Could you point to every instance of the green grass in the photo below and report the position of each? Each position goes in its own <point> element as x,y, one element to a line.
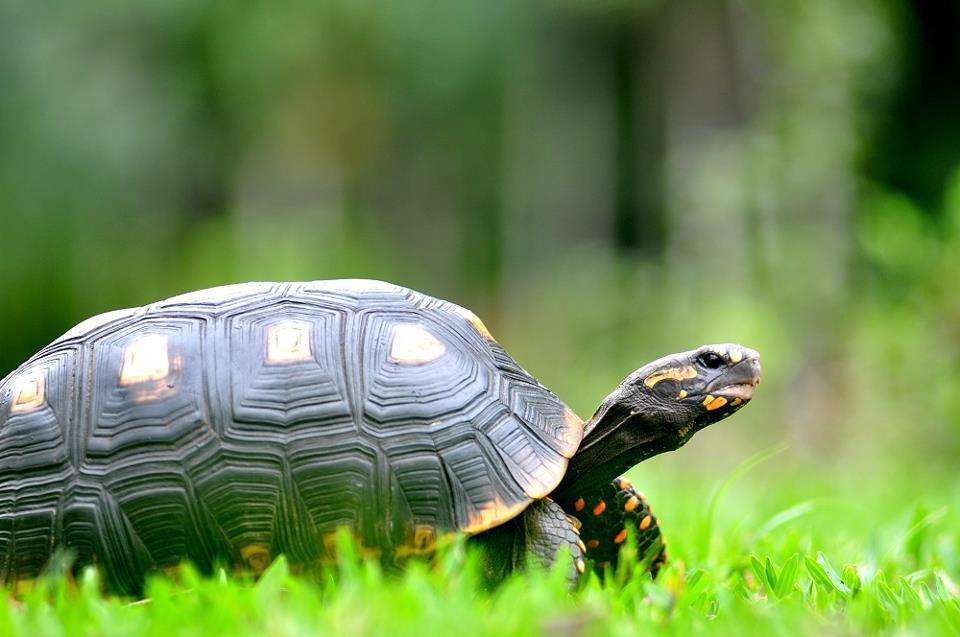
<point>747,557</point>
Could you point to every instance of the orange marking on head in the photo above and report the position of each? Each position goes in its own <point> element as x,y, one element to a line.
<point>645,523</point>
<point>620,537</point>
<point>631,504</point>
<point>674,373</point>
<point>594,543</point>
<point>736,401</point>
<point>716,403</point>
<point>625,483</point>
<point>682,394</point>
<point>601,506</point>
<point>579,504</point>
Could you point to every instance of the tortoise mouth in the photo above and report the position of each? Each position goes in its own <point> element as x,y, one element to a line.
<point>743,391</point>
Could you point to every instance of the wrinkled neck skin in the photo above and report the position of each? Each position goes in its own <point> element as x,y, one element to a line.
<point>625,431</point>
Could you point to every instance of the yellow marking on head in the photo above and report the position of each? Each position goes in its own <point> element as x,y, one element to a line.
<point>682,394</point>
<point>581,567</point>
<point>620,537</point>
<point>645,523</point>
<point>736,355</point>
<point>145,359</point>
<point>594,543</point>
<point>288,342</point>
<point>489,516</point>
<point>631,504</point>
<point>475,321</point>
<point>736,401</point>
<point>683,431</point>
<point>674,373</point>
<point>714,403</point>
<point>601,506</point>
<point>414,345</point>
<point>257,557</point>
<point>624,483</point>
<point>29,393</point>
<point>579,504</point>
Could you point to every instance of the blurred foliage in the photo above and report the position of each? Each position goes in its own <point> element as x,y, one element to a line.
<point>603,181</point>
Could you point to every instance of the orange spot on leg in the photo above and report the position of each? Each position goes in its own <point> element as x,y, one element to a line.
<point>593,543</point>
<point>600,508</point>
<point>579,504</point>
<point>631,504</point>
<point>620,537</point>
<point>645,522</point>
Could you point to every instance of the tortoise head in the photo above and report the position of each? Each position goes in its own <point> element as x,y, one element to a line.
<point>659,407</point>
<point>683,393</point>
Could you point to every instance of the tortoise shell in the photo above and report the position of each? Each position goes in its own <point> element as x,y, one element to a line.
<point>250,420</point>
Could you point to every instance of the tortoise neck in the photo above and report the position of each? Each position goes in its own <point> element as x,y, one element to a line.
<point>617,438</point>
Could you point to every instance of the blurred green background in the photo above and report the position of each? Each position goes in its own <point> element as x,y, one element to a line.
<point>603,181</point>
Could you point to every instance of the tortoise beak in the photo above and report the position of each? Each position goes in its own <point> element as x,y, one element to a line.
<point>740,380</point>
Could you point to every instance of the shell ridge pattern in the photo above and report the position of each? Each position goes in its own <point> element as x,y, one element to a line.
<point>35,407</point>
<point>253,419</point>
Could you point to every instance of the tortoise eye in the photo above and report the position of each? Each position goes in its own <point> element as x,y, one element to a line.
<point>710,360</point>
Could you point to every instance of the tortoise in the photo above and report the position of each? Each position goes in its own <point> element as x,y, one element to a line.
<point>234,424</point>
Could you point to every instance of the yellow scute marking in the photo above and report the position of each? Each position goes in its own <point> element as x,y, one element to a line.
<point>145,359</point>
<point>673,373</point>
<point>414,345</point>
<point>29,393</point>
<point>475,321</point>
<point>256,556</point>
<point>494,513</point>
<point>571,433</point>
<point>288,342</point>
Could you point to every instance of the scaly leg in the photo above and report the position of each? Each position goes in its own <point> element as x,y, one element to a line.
<point>606,514</point>
<point>539,533</point>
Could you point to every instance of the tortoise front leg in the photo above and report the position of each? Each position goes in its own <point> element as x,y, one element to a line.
<point>605,515</point>
<point>539,533</point>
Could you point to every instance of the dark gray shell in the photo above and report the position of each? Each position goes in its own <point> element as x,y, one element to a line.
<point>250,420</point>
